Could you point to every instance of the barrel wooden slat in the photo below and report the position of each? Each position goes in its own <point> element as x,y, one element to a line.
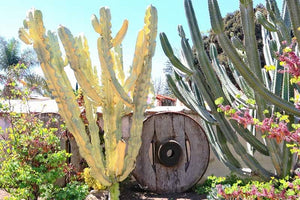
<point>162,128</point>
<point>148,178</point>
<point>199,151</point>
<point>168,127</point>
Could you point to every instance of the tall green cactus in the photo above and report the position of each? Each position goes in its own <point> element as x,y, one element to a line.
<point>116,95</point>
<point>199,84</point>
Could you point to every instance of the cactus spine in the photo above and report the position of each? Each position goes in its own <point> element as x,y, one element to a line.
<point>209,81</point>
<point>116,95</point>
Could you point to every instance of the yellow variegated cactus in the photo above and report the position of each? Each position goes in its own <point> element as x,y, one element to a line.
<point>116,95</point>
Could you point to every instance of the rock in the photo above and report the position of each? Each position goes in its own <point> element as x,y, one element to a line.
<point>98,195</point>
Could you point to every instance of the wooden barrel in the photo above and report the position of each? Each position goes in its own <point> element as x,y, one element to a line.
<point>174,154</point>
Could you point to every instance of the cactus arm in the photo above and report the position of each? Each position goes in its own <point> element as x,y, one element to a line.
<point>266,79</point>
<point>187,51</point>
<point>189,99</point>
<point>121,34</point>
<point>177,90</point>
<point>231,138</point>
<point>118,64</point>
<point>282,30</point>
<point>78,57</point>
<point>24,36</point>
<point>287,92</point>
<point>247,16</point>
<point>129,83</point>
<point>223,144</point>
<point>254,64</point>
<point>201,54</point>
<point>264,22</point>
<point>294,12</point>
<point>196,36</point>
<point>49,55</point>
<point>91,115</point>
<point>65,99</point>
<point>223,77</point>
<point>248,75</point>
<point>246,88</point>
<point>186,48</point>
<point>286,87</point>
<point>170,54</point>
<point>285,14</point>
<point>275,155</point>
<point>107,66</point>
<point>251,139</point>
<point>219,152</point>
<point>237,43</point>
<point>276,80</point>
<point>287,160</point>
<point>105,54</point>
<point>239,149</point>
<point>137,64</point>
<point>235,75</point>
<point>197,94</point>
<point>141,91</point>
<point>96,24</point>
<point>266,49</point>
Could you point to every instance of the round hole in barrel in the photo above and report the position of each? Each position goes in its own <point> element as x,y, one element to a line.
<point>169,153</point>
<point>174,154</point>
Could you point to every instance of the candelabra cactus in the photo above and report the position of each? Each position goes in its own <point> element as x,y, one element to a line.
<point>116,95</point>
<point>199,81</point>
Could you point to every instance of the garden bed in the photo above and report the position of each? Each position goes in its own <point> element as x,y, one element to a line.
<point>130,190</point>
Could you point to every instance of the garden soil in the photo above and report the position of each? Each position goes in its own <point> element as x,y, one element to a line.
<point>130,190</point>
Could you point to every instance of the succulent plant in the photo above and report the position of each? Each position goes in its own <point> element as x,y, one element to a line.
<point>116,95</point>
<point>199,79</point>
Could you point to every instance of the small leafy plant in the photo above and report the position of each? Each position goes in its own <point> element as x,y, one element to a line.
<point>32,162</point>
<point>209,187</point>
<point>31,158</point>
<point>234,187</point>
<point>287,188</point>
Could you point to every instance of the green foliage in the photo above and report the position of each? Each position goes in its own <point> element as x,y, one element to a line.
<point>31,158</point>
<point>234,187</point>
<point>285,188</point>
<point>74,190</point>
<point>16,70</point>
<point>212,181</point>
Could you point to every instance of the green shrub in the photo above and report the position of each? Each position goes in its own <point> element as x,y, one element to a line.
<point>72,191</point>
<point>32,161</point>
<point>233,187</point>
<point>209,187</point>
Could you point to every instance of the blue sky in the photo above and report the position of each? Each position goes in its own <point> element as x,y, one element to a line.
<point>76,14</point>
